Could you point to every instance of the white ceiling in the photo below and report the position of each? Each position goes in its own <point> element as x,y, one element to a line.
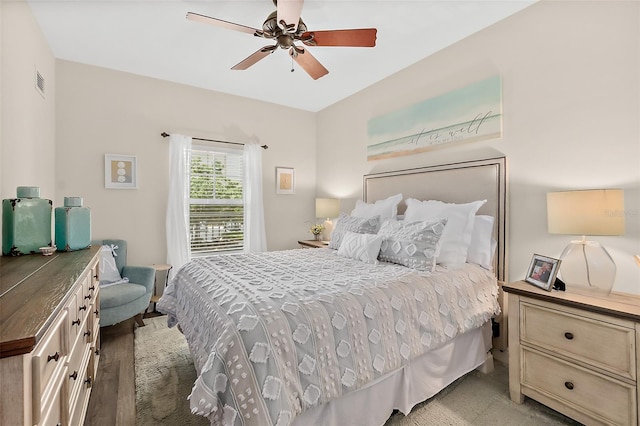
<point>152,38</point>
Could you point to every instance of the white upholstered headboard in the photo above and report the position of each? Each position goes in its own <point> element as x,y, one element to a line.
<point>452,183</point>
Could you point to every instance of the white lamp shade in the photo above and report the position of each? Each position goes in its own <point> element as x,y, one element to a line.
<point>327,207</point>
<point>588,212</point>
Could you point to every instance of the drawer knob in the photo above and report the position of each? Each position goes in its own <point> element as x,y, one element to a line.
<point>76,322</point>
<point>568,385</point>
<point>95,276</point>
<point>74,375</point>
<point>55,357</point>
<point>87,333</point>
<point>93,287</point>
<point>82,308</point>
<point>88,382</point>
<point>568,335</point>
<point>88,296</point>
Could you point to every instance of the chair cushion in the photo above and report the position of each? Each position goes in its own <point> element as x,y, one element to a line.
<point>120,294</point>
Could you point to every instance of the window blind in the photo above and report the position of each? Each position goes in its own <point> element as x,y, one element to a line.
<point>216,213</point>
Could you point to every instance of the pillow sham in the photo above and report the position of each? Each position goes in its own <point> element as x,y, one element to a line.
<point>386,208</point>
<point>348,223</point>
<point>362,247</point>
<point>412,244</point>
<point>456,237</point>
<point>482,246</point>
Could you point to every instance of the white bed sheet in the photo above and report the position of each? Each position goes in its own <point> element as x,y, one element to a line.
<point>275,334</point>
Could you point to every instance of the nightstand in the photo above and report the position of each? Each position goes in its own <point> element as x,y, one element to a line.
<point>575,352</point>
<point>313,244</point>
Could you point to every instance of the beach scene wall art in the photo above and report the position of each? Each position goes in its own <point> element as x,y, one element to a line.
<point>469,114</point>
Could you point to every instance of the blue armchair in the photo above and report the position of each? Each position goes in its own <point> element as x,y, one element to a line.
<point>120,302</point>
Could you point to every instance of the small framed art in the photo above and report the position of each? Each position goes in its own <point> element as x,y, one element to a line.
<point>285,182</point>
<point>120,171</point>
<point>542,271</point>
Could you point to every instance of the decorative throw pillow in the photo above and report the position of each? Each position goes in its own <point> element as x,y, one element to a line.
<point>348,223</point>
<point>456,238</point>
<point>386,208</point>
<point>109,272</point>
<point>362,247</point>
<point>482,245</point>
<point>412,244</point>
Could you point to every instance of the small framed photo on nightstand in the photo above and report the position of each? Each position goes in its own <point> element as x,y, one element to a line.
<point>542,271</point>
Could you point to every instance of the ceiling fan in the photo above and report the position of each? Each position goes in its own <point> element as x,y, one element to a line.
<point>285,27</point>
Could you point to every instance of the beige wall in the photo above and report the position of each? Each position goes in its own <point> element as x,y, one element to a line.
<point>27,129</point>
<point>570,74</point>
<point>100,111</point>
<point>570,100</point>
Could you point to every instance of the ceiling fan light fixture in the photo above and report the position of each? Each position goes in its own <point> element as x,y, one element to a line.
<point>275,27</point>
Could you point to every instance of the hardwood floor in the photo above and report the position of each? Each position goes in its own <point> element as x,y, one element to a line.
<point>113,397</point>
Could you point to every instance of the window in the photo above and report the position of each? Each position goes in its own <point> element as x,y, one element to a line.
<point>216,210</point>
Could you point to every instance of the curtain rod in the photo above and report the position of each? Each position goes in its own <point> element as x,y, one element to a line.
<point>165,135</point>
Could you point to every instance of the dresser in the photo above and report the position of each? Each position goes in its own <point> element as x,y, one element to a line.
<point>49,337</point>
<point>575,352</point>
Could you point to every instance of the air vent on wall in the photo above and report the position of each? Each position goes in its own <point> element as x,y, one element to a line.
<point>40,83</point>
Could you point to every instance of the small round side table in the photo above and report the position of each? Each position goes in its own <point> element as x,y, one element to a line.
<point>159,285</point>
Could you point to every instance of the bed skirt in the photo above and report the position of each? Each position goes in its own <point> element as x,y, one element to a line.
<point>423,378</point>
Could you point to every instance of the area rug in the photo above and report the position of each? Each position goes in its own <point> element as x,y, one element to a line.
<point>165,375</point>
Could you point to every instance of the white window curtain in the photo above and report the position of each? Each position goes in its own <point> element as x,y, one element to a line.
<point>255,238</point>
<point>177,224</point>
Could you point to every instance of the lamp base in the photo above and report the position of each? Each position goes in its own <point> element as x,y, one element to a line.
<point>587,265</point>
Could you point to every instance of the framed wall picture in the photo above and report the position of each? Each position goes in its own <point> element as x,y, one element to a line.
<point>542,271</point>
<point>285,180</point>
<point>120,171</point>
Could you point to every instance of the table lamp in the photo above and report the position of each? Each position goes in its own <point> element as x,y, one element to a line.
<point>584,263</point>
<point>327,208</point>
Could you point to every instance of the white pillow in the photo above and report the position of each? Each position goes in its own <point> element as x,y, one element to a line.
<point>482,245</point>
<point>386,209</point>
<point>456,237</point>
<point>109,272</point>
<point>348,223</point>
<point>362,247</point>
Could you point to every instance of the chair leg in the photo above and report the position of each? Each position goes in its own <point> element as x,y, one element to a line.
<point>139,320</point>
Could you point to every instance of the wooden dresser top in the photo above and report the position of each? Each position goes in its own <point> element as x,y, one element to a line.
<point>33,289</point>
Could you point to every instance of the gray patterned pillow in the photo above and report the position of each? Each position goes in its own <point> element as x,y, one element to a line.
<point>412,244</point>
<point>348,223</point>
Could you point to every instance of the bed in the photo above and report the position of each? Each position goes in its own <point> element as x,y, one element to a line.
<point>310,337</point>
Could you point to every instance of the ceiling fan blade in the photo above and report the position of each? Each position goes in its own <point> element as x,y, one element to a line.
<point>289,11</point>
<point>310,64</point>
<point>220,23</point>
<point>253,58</point>
<point>364,37</point>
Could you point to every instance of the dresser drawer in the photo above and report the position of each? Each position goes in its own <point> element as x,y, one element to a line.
<point>48,362</point>
<point>79,401</point>
<point>609,345</point>
<point>54,410</point>
<point>605,400</point>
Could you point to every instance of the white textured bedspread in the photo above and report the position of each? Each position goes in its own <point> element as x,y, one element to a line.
<point>275,333</point>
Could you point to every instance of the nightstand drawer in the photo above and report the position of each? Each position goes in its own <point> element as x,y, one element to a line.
<point>608,345</point>
<point>605,400</point>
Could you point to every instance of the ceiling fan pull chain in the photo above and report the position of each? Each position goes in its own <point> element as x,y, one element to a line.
<point>292,70</point>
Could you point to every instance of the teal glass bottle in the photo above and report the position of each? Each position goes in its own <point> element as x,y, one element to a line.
<point>26,222</point>
<point>72,225</point>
